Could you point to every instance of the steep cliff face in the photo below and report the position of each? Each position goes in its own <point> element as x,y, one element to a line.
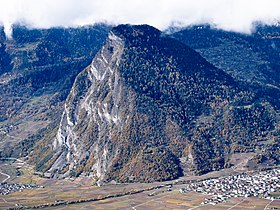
<point>147,100</point>
<point>92,114</point>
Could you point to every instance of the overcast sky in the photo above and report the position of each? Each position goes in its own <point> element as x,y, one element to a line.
<point>235,15</point>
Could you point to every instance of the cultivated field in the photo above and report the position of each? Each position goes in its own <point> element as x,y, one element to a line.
<point>164,197</point>
<point>175,200</point>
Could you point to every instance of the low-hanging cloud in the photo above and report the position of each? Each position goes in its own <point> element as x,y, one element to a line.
<point>234,15</point>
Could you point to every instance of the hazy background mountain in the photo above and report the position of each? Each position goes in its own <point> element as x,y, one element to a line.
<point>230,15</point>
<point>254,58</point>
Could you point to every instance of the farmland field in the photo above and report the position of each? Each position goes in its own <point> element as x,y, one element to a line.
<point>81,193</point>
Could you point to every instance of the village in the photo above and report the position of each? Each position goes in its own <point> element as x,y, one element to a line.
<point>259,184</point>
<point>262,184</point>
<point>7,188</point>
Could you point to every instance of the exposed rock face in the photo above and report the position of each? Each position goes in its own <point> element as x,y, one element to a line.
<point>147,100</point>
<point>92,115</point>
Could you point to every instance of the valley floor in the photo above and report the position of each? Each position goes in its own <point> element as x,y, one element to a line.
<point>81,194</point>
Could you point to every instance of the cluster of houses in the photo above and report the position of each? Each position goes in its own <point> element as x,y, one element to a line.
<point>6,188</point>
<point>5,129</point>
<point>259,184</point>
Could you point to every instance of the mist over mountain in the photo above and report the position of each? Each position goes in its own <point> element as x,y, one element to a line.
<point>232,15</point>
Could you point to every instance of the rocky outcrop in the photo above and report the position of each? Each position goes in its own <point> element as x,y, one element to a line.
<point>93,114</point>
<point>147,100</point>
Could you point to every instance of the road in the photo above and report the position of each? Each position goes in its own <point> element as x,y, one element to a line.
<point>14,137</point>
<point>19,160</point>
<point>8,177</point>
<point>141,204</point>
<point>268,204</point>
<point>237,204</point>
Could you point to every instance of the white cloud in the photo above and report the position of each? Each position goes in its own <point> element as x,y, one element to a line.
<point>236,15</point>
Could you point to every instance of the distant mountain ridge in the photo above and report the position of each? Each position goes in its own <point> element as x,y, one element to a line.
<point>253,58</point>
<point>149,108</point>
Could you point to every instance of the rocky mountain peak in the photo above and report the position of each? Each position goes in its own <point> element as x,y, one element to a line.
<point>140,32</point>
